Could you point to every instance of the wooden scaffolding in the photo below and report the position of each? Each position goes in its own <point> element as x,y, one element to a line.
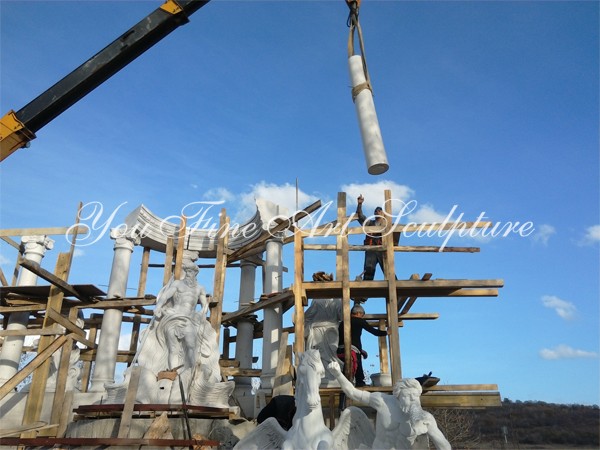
<point>53,311</point>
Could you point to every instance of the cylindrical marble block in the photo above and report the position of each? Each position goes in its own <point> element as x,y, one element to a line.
<point>375,156</point>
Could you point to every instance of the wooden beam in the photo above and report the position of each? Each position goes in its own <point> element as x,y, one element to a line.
<point>392,296</point>
<point>180,245</point>
<point>298,291</point>
<point>7,232</point>
<point>168,260</point>
<point>411,301</point>
<point>3,279</point>
<point>132,388</point>
<point>265,236</point>
<point>29,368</point>
<point>51,278</point>
<point>48,331</point>
<point>10,242</point>
<point>143,272</point>
<point>216,313</point>
<point>262,304</point>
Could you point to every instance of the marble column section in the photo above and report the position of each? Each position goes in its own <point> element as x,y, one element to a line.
<point>110,331</point>
<point>273,320</point>
<point>245,326</point>
<point>33,248</point>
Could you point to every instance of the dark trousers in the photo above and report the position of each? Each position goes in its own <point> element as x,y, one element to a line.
<point>371,261</point>
<point>359,377</point>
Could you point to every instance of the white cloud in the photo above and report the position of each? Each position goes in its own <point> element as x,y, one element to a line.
<point>78,252</point>
<point>374,196</point>
<point>543,233</point>
<point>4,260</point>
<point>592,235</point>
<point>426,214</point>
<point>563,308</point>
<point>283,195</point>
<point>563,351</point>
<point>219,194</point>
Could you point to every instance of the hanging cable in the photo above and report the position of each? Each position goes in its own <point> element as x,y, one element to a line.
<point>354,25</point>
<point>362,96</point>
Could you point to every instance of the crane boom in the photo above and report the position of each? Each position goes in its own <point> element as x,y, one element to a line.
<point>18,128</point>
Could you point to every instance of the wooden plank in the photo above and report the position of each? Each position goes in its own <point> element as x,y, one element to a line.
<point>49,331</point>
<point>10,242</point>
<point>461,400</point>
<point>13,431</point>
<point>216,312</point>
<point>65,414</point>
<point>181,235</point>
<point>168,260</point>
<point>86,370</point>
<point>103,442</point>
<point>240,372</point>
<point>298,290</point>
<point>61,379</point>
<point>262,304</point>
<point>397,248</point>
<point>8,232</point>
<point>403,299</point>
<point>61,320</point>
<point>143,272</point>
<point>3,278</point>
<point>411,301</point>
<point>384,364</point>
<point>51,278</point>
<point>265,236</point>
<point>126,417</point>
<point>29,368</point>
<point>35,399</point>
<point>282,383</point>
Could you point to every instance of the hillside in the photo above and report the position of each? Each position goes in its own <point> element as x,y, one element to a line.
<point>530,424</point>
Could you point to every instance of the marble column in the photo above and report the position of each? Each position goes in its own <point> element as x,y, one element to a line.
<point>273,321</point>
<point>245,326</point>
<point>110,331</point>
<point>33,249</point>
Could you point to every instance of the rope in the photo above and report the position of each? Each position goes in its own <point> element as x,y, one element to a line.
<point>354,25</point>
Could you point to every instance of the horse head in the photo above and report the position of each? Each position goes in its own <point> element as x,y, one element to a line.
<point>310,372</point>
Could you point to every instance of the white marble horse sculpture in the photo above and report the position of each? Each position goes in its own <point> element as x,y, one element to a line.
<point>308,431</point>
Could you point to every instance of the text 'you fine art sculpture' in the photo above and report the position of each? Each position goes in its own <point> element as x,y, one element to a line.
<point>179,353</point>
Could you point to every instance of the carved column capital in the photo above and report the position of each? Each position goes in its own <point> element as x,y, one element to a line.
<point>126,239</point>
<point>36,245</point>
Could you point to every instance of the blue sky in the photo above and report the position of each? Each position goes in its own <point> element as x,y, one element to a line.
<point>489,106</point>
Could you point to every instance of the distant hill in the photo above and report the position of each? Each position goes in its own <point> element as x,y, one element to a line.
<point>530,424</point>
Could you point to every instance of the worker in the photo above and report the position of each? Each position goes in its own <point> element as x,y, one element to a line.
<point>372,258</point>
<point>357,324</point>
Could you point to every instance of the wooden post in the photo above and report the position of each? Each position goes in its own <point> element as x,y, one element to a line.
<point>35,399</point>
<point>180,246</point>
<point>144,272</point>
<point>125,424</point>
<point>384,365</point>
<point>282,383</point>
<point>168,260</point>
<point>342,274</point>
<point>29,368</point>
<point>86,371</point>
<point>298,291</point>
<point>392,303</point>
<point>216,312</point>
